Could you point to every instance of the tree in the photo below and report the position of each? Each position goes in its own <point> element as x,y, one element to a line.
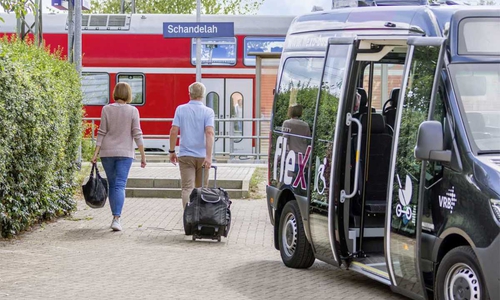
<point>179,6</point>
<point>19,7</point>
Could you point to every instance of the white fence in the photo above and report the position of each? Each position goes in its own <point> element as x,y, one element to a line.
<point>258,151</point>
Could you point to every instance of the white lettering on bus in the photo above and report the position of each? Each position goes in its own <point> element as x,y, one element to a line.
<point>277,155</point>
<point>288,164</point>
<point>449,201</point>
<point>289,167</point>
<point>289,158</point>
<point>192,29</point>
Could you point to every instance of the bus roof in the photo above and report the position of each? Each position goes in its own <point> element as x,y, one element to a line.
<point>428,20</point>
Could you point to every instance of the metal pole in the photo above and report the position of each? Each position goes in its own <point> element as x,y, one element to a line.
<point>78,36</point>
<point>198,43</point>
<point>71,33</point>
<point>258,113</point>
<point>38,23</point>
<point>384,75</point>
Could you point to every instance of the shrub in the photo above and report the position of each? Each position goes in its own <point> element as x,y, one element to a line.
<point>40,132</point>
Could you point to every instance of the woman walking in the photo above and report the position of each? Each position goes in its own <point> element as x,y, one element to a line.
<point>115,145</point>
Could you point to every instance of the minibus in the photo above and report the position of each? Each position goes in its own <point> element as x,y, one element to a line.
<point>384,154</point>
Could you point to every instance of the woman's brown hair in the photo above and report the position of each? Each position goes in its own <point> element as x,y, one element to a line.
<point>123,92</point>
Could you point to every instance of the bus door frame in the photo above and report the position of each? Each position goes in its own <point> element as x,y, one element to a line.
<point>333,199</point>
<point>412,42</point>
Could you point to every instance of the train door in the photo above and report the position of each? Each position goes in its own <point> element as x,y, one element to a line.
<point>232,101</point>
<point>215,99</point>
<point>407,178</point>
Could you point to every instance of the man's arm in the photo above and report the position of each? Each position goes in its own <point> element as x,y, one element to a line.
<point>174,132</point>
<point>209,137</point>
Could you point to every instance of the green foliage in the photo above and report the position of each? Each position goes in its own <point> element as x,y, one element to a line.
<point>40,132</point>
<point>88,144</point>
<point>20,7</point>
<point>179,6</point>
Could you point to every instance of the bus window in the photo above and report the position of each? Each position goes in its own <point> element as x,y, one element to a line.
<point>261,44</point>
<point>386,77</point>
<point>326,120</point>
<point>215,51</point>
<point>95,88</point>
<point>478,94</point>
<point>136,82</point>
<point>299,85</point>
<point>294,108</point>
<point>406,194</point>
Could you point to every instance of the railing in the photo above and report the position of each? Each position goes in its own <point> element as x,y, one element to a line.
<point>256,123</point>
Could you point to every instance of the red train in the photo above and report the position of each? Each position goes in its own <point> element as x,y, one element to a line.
<point>132,48</point>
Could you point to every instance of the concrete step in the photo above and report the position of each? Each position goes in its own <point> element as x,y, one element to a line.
<point>174,193</point>
<point>159,183</point>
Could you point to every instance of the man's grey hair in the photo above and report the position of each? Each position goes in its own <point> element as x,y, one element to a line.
<point>197,91</point>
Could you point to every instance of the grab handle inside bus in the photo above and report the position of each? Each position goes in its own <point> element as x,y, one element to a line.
<point>343,194</point>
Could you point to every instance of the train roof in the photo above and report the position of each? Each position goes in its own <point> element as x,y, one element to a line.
<point>426,20</point>
<point>153,23</point>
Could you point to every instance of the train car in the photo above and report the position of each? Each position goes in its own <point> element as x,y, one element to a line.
<point>132,49</point>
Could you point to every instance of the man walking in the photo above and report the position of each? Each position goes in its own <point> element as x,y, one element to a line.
<point>196,124</point>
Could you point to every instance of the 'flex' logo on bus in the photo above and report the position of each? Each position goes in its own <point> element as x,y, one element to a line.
<point>290,163</point>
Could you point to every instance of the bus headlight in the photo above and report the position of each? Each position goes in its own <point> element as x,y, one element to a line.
<point>495,205</point>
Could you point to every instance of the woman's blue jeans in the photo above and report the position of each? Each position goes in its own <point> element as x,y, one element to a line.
<point>117,169</point>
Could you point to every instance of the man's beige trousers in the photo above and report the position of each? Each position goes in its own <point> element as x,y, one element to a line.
<point>191,170</point>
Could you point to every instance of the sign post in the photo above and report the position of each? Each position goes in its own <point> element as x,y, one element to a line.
<point>198,43</point>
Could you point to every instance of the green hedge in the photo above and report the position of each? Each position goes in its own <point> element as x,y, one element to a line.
<point>40,132</point>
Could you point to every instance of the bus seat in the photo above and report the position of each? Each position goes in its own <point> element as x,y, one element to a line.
<point>390,112</point>
<point>363,103</point>
<point>378,168</point>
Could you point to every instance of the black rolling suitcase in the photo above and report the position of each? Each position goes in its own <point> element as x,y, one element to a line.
<point>208,213</point>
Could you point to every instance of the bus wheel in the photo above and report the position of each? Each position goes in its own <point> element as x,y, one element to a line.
<point>459,276</point>
<point>296,252</point>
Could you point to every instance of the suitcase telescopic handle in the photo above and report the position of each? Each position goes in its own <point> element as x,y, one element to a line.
<point>203,176</point>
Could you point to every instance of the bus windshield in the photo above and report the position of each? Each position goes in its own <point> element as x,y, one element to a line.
<point>477,90</point>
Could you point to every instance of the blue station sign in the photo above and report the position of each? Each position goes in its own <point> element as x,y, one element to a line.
<point>198,30</point>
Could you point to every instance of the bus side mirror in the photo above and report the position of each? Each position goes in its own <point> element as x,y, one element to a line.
<point>430,144</point>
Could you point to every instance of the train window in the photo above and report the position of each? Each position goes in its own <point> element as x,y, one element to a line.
<point>95,88</point>
<point>261,44</point>
<point>212,101</point>
<point>137,83</point>
<point>215,51</point>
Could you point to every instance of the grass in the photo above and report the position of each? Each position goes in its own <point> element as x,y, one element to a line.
<point>257,183</point>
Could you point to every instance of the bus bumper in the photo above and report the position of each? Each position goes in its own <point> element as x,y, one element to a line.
<point>489,259</point>
<point>271,193</point>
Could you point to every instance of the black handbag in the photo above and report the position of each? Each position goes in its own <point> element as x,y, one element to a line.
<point>95,191</point>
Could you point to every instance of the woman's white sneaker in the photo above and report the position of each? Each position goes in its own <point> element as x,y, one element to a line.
<point>115,225</point>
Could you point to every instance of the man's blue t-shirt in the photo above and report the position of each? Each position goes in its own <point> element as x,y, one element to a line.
<point>192,118</point>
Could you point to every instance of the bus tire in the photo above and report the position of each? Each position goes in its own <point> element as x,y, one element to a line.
<point>296,251</point>
<point>459,274</point>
